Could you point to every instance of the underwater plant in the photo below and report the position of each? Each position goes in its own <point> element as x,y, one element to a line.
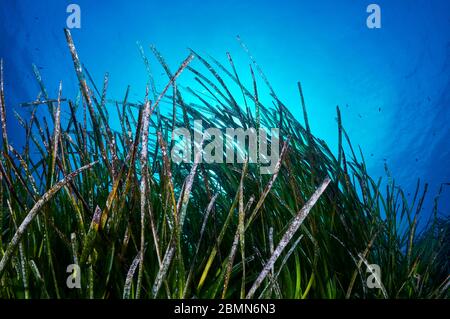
<point>136,225</point>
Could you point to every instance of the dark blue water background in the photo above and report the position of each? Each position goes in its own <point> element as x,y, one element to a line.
<point>392,84</point>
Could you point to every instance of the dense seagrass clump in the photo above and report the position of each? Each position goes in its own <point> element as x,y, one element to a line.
<point>110,201</point>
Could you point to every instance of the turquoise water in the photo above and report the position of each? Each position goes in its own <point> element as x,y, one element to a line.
<point>392,84</point>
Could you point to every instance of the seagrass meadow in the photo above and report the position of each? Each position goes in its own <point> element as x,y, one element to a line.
<point>110,200</point>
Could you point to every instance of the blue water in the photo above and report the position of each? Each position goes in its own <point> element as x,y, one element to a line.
<point>392,84</point>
